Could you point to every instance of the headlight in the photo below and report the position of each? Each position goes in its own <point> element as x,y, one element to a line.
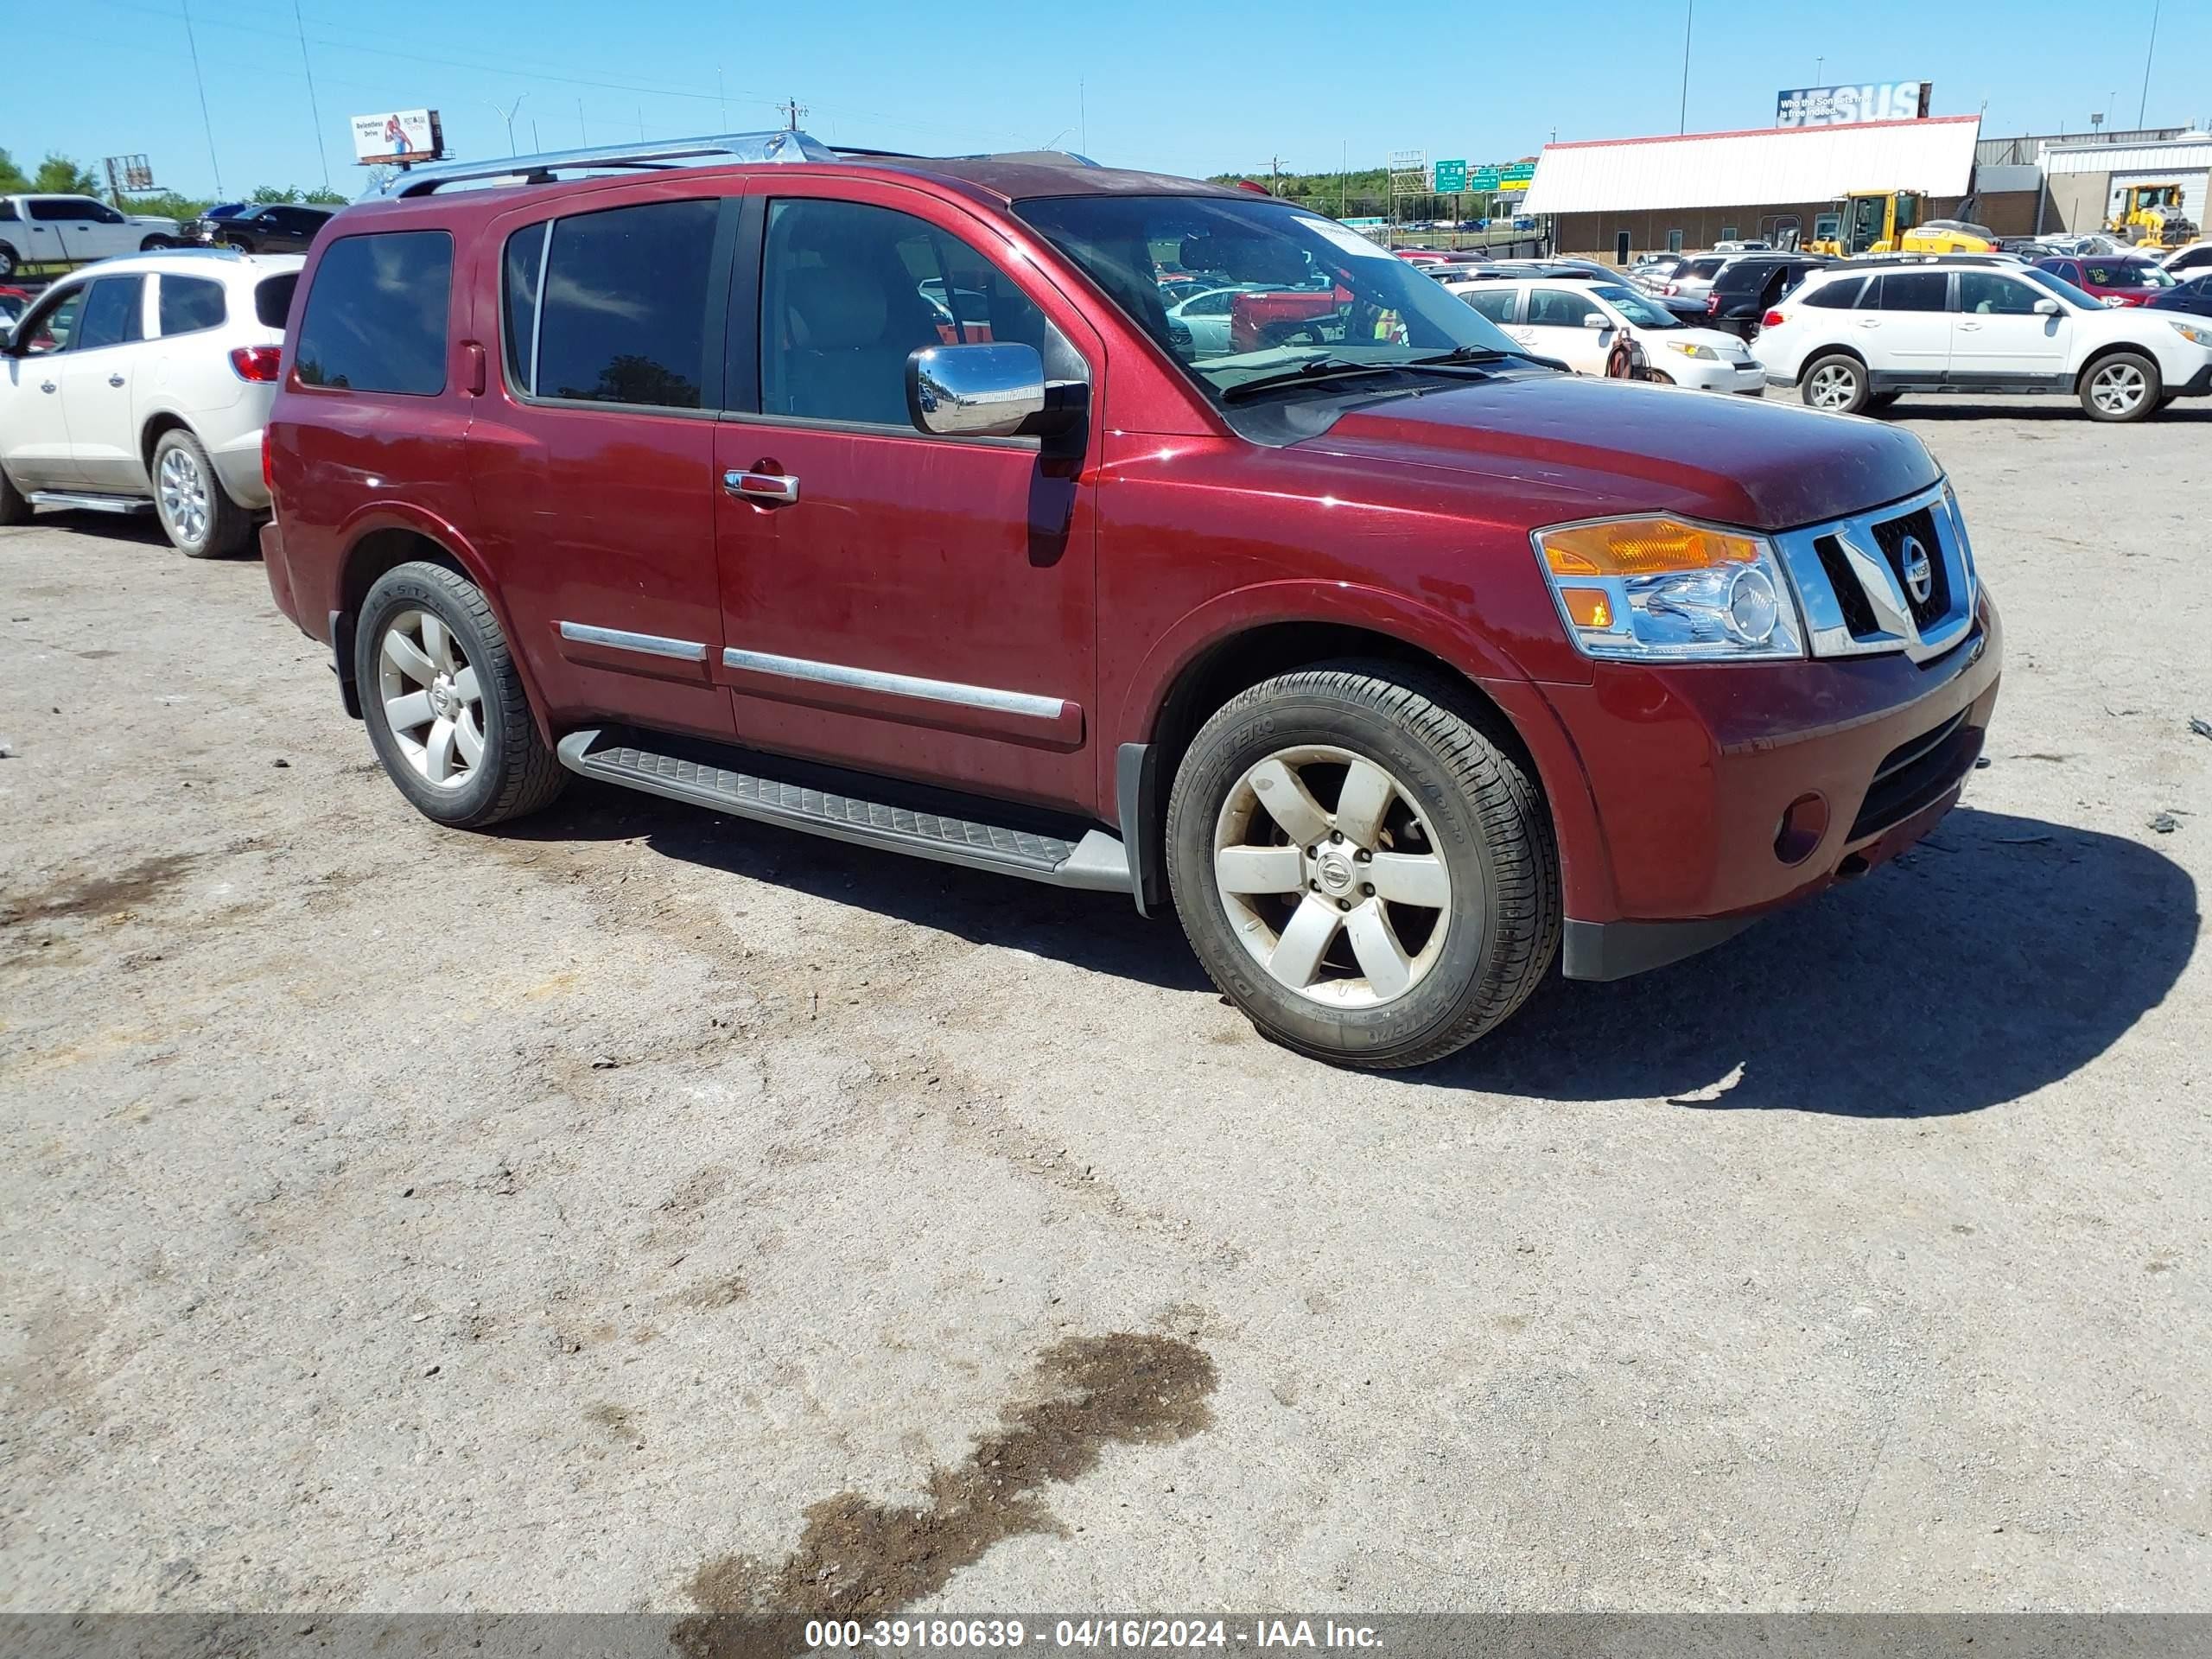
<point>1688,350</point>
<point>1663,588</point>
<point>2191,333</point>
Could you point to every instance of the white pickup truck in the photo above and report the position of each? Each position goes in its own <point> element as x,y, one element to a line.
<point>53,233</point>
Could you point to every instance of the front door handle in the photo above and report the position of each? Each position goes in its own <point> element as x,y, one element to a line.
<point>115,379</point>
<point>46,385</point>
<point>761,486</point>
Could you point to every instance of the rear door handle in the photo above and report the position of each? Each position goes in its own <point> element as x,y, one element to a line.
<point>761,486</point>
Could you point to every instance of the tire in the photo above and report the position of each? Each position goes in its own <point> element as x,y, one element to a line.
<point>1835,382</point>
<point>2120,387</point>
<point>9,260</point>
<point>1461,820</point>
<point>1660,378</point>
<point>422,630</point>
<point>197,516</point>
<point>13,508</point>
<point>153,242</point>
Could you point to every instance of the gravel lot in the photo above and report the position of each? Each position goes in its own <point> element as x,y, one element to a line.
<point>642,1210</point>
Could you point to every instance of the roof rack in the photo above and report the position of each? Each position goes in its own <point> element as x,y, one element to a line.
<point>780,145</point>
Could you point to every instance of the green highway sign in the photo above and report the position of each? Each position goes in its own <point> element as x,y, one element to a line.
<point>1501,176</point>
<point>1482,178</point>
<point>1450,178</point>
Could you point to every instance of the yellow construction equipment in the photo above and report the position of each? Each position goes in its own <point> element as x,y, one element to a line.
<point>2152,215</point>
<point>1888,221</point>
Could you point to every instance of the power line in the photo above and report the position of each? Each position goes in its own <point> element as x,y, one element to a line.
<point>313,114</point>
<point>199,81</point>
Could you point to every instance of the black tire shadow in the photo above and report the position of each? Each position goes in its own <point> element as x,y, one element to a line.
<point>1099,931</point>
<point>141,527</point>
<point>2056,407</point>
<point>2000,955</point>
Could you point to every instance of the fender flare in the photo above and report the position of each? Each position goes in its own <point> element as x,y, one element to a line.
<point>387,514</point>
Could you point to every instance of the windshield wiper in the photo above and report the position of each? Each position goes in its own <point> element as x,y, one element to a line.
<point>1333,367</point>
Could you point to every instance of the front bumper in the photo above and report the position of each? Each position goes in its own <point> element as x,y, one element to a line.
<point>1724,791</point>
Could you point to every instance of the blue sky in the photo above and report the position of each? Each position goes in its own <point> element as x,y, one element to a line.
<point>1193,87</point>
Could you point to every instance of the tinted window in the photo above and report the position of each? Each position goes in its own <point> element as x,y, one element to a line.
<point>273,299</point>
<point>51,209</point>
<point>525,260</point>
<point>1743,276</point>
<point>114,313</point>
<point>1496,303</point>
<point>847,293</point>
<point>625,305</point>
<point>190,302</point>
<point>1986,293</point>
<point>1841,295</point>
<point>6,212</point>
<point>376,317</point>
<point>1560,307</point>
<point>1913,290</point>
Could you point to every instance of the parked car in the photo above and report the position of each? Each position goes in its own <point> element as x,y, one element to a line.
<point>2094,243</point>
<point>2193,297</point>
<point>2125,279</point>
<point>1204,318</point>
<point>1749,286</point>
<point>1851,339</point>
<point>1735,245</point>
<point>53,232</point>
<point>1577,322</point>
<point>12,302</point>
<point>2189,259</point>
<point>1388,693</point>
<point>259,227</point>
<point>143,383</point>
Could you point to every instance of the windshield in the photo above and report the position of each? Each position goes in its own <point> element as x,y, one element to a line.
<point>1638,309</point>
<point>1305,290</point>
<point>2128,274</point>
<point>2065,290</point>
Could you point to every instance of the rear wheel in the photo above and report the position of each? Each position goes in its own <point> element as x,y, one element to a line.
<point>1360,868</point>
<point>445,706</point>
<point>199,518</point>
<point>2122,387</point>
<point>1836,383</point>
<point>9,259</point>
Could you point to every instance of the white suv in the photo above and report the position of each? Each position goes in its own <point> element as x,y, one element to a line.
<point>145,382</point>
<point>1857,336</point>
<point>1577,320</point>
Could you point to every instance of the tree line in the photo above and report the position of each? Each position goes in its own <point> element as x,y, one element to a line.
<point>59,176</point>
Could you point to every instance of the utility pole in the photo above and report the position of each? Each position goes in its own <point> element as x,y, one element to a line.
<point>1819,64</point>
<point>1274,175</point>
<point>792,110</point>
<point>2149,53</point>
<point>583,133</point>
<point>199,80</point>
<point>1082,116</point>
<point>313,114</point>
<point>1343,178</point>
<point>722,105</point>
<point>1689,16</point>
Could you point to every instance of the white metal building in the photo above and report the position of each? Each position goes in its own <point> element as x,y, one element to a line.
<point>1615,196</point>
<point>2083,180</point>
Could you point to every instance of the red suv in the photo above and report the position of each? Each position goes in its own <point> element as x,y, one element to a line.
<point>1390,654</point>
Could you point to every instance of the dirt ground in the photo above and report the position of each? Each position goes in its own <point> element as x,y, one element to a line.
<point>642,1209</point>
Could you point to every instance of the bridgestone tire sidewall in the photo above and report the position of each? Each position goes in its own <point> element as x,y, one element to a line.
<point>402,591</point>
<point>1442,997</point>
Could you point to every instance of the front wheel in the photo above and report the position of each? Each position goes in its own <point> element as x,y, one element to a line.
<point>2122,387</point>
<point>1836,383</point>
<point>1361,868</point>
<point>153,242</point>
<point>445,706</point>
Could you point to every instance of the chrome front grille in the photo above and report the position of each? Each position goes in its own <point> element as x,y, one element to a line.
<point>1899,578</point>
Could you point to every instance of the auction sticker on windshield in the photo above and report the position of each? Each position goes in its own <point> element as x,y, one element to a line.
<point>1350,241</point>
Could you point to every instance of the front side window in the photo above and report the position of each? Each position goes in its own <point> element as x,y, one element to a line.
<point>2051,281</point>
<point>376,317</point>
<point>115,313</point>
<point>188,303</point>
<point>1560,307</point>
<point>1912,290</point>
<point>1984,294</point>
<point>54,328</point>
<point>56,210</point>
<point>620,313</point>
<point>1496,303</point>
<point>848,291</point>
<point>1311,291</point>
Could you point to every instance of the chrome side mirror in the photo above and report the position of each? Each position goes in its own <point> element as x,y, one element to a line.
<point>2046,308</point>
<point>1593,320</point>
<point>991,390</point>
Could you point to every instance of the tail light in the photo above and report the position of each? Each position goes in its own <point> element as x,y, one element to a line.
<point>1669,288</point>
<point>1772,319</point>
<point>257,363</point>
<point>1712,305</point>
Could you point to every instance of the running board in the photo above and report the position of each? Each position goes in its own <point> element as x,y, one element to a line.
<point>1097,862</point>
<point>87,503</point>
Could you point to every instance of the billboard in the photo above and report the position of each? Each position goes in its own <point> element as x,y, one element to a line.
<point>398,135</point>
<point>1846,106</point>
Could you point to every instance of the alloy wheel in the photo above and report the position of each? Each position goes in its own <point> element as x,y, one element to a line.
<point>1833,387</point>
<point>432,700</point>
<point>183,494</point>
<point>1348,903</point>
<point>2119,388</point>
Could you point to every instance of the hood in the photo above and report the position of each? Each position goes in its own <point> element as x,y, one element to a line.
<point>1574,446</point>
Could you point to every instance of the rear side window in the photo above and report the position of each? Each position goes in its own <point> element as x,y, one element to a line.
<point>376,317</point>
<point>622,313</point>
<point>1913,290</point>
<point>1841,295</point>
<point>273,299</point>
<point>190,304</point>
<point>115,313</point>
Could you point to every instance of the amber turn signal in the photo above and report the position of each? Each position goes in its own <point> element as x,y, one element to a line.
<point>1643,547</point>
<point>1590,608</point>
